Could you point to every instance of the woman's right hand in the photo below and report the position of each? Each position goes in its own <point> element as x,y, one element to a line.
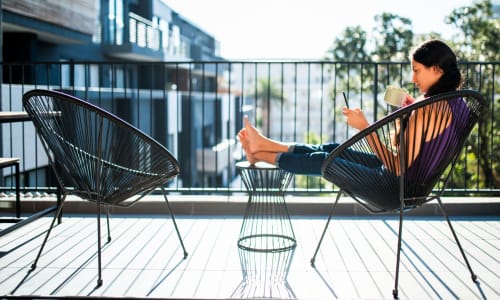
<point>355,118</point>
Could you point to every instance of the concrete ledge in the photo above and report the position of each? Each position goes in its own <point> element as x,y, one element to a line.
<point>235,205</point>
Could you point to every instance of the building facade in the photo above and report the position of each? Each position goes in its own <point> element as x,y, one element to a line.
<point>136,58</point>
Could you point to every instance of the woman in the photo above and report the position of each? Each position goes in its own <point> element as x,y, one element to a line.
<point>435,70</point>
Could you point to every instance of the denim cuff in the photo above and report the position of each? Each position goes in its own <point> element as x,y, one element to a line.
<point>277,159</point>
<point>291,148</point>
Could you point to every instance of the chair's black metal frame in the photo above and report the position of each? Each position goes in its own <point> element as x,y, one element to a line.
<point>385,193</point>
<point>98,156</point>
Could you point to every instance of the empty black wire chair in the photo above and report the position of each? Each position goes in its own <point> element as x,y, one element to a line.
<point>367,166</point>
<point>98,156</point>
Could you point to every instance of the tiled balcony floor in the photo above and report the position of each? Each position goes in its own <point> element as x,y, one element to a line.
<point>357,259</point>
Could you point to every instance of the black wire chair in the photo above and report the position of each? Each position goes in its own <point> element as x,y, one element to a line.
<point>97,156</point>
<point>367,166</point>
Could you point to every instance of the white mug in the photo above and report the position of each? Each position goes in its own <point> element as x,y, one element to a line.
<point>395,95</point>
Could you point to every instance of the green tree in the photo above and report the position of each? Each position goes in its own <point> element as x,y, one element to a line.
<point>479,31</point>
<point>349,46</point>
<point>392,40</point>
<point>478,39</point>
<point>393,37</point>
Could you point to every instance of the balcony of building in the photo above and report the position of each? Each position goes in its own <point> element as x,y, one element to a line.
<point>195,110</point>
<point>138,39</point>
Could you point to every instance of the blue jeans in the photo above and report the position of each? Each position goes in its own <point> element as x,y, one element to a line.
<point>366,178</point>
<point>306,159</point>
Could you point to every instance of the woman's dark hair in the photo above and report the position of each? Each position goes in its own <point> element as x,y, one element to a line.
<point>436,53</point>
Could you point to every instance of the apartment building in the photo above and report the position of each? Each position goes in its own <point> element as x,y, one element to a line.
<point>136,58</point>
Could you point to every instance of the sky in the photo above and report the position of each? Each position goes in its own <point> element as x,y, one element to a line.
<point>302,29</point>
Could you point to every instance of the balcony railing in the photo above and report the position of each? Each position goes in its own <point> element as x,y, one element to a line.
<point>195,109</point>
<point>143,33</point>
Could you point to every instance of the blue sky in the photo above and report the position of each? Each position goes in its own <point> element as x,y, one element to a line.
<point>301,29</point>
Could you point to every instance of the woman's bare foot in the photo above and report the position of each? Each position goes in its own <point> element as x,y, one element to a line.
<point>243,137</point>
<point>252,135</point>
<point>256,142</point>
<point>252,158</point>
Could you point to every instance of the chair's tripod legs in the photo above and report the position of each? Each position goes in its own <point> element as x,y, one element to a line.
<point>107,222</point>
<point>99,274</point>
<point>56,216</point>
<point>313,259</point>
<point>173,220</point>
<point>18,192</point>
<point>59,203</point>
<point>473,275</point>
<point>398,253</point>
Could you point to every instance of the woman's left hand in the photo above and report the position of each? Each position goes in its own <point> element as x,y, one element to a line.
<point>408,100</point>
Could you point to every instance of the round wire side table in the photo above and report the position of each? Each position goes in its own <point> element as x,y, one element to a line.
<point>266,224</point>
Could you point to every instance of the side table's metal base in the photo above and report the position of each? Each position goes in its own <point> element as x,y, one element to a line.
<point>267,243</point>
<point>265,275</point>
<point>266,225</point>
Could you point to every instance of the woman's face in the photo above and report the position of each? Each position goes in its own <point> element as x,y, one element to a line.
<point>424,77</point>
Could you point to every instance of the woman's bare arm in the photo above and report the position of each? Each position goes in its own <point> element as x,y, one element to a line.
<point>428,119</point>
<point>356,119</point>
